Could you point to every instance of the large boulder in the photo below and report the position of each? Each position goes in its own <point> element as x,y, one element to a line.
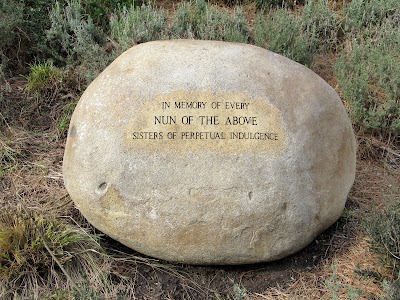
<point>208,152</point>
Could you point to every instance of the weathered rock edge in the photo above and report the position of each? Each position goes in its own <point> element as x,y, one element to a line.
<point>206,207</point>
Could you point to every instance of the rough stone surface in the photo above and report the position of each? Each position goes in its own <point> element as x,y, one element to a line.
<point>209,153</point>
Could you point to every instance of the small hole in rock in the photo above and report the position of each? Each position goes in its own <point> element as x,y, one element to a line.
<point>102,186</point>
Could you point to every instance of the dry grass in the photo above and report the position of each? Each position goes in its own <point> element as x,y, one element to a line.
<point>338,276</point>
<point>377,179</point>
<point>32,168</point>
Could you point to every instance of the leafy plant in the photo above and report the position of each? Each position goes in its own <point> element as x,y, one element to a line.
<point>361,14</point>
<point>101,10</point>
<point>71,32</point>
<point>281,31</point>
<point>36,17</point>
<point>315,28</point>
<point>268,4</point>
<point>134,25</point>
<point>192,18</point>
<point>239,292</point>
<point>383,228</point>
<point>238,31</point>
<point>22,31</point>
<point>11,23</point>
<point>75,41</point>
<point>369,74</point>
<point>211,24</point>
<point>182,24</point>
<point>11,16</point>
<point>215,24</point>
<point>201,20</point>
<point>322,25</point>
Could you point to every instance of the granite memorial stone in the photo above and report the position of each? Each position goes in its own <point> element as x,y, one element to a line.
<point>208,152</point>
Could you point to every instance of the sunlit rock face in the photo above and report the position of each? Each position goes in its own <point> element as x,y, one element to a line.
<point>208,152</point>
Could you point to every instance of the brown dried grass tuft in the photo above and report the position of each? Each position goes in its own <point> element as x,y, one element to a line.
<point>31,165</point>
<point>339,277</point>
<point>386,152</point>
<point>377,182</point>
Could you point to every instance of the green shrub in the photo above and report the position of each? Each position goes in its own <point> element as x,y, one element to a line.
<point>192,18</point>
<point>299,35</point>
<point>101,10</point>
<point>134,25</point>
<point>199,20</point>
<point>215,24</point>
<point>182,24</point>
<point>27,32</point>
<point>36,17</point>
<point>76,42</point>
<point>282,32</point>
<point>211,23</point>
<point>22,31</point>
<point>267,4</point>
<point>383,230</point>
<point>72,33</point>
<point>238,31</point>
<point>360,14</point>
<point>11,18</point>
<point>261,4</point>
<point>11,22</point>
<point>321,23</point>
<point>369,75</point>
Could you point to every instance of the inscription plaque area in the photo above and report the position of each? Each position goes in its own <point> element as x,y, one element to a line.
<point>226,122</point>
